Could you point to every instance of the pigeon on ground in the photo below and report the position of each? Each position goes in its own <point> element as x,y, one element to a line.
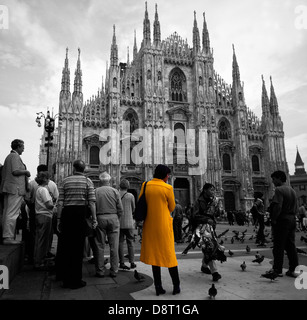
<point>138,276</point>
<point>248,249</point>
<point>212,292</point>
<point>230,253</point>
<point>270,275</point>
<point>243,266</point>
<point>257,255</point>
<point>259,260</point>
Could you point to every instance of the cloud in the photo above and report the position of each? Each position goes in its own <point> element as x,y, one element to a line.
<point>32,53</point>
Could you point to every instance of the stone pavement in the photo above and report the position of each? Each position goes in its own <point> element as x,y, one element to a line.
<point>234,285</point>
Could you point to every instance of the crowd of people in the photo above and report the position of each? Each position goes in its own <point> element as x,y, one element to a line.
<point>70,209</point>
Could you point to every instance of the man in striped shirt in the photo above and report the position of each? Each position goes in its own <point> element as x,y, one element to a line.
<point>76,195</point>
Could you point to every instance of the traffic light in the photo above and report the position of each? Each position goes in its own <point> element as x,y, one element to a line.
<point>49,139</point>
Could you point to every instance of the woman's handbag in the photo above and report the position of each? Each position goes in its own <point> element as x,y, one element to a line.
<point>141,207</point>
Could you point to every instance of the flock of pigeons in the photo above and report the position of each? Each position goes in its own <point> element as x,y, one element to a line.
<point>212,292</point>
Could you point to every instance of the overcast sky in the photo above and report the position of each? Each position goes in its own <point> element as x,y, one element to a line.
<point>270,38</point>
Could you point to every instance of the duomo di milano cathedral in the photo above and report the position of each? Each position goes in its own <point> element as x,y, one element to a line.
<point>170,86</point>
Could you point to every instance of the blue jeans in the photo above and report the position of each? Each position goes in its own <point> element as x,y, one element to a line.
<point>108,226</point>
<point>129,233</point>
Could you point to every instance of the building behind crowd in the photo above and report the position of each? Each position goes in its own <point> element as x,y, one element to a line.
<point>299,180</point>
<point>167,86</point>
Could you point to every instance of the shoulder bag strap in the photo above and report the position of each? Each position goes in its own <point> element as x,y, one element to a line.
<point>123,195</point>
<point>145,187</point>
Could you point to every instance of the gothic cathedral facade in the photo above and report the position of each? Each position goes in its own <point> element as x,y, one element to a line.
<point>171,87</point>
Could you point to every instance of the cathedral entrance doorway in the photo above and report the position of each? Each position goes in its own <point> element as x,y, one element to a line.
<point>181,191</point>
<point>135,194</point>
<point>229,199</point>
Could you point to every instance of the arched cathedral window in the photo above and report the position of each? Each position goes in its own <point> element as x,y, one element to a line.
<point>131,116</point>
<point>114,82</point>
<point>226,162</point>
<point>179,151</point>
<point>255,163</point>
<point>178,90</point>
<point>94,156</point>
<point>224,130</point>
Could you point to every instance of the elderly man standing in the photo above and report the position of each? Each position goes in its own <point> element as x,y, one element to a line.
<point>108,209</point>
<point>76,194</point>
<point>14,185</point>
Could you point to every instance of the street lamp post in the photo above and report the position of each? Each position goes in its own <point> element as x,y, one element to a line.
<point>49,128</point>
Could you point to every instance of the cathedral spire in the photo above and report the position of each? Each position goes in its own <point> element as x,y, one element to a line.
<point>206,40</point>
<point>107,78</point>
<point>114,50</point>
<point>146,28</point>
<point>135,49</point>
<point>299,164</point>
<point>66,75</point>
<point>265,99</point>
<point>235,69</point>
<point>196,39</point>
<point>128,58</point>
<point>102,88</point>
<point>273,100</point>
<point>78,75</point>
<point>157,31</point>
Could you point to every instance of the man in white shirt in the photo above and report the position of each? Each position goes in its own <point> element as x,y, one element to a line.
<point>54,193</point>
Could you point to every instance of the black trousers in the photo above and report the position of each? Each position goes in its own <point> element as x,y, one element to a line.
<point>156,271</point>
<point>284,240</point>
<point>177,226</point>
<point>72,241</point>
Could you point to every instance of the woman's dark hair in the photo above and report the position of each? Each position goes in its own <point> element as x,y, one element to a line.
<point>161,171</point>
<point>124,184</point>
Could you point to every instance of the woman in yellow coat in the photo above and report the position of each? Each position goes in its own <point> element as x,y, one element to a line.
<point>158,245</point>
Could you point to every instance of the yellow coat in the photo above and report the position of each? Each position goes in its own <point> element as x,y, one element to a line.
<point>158,245</point>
